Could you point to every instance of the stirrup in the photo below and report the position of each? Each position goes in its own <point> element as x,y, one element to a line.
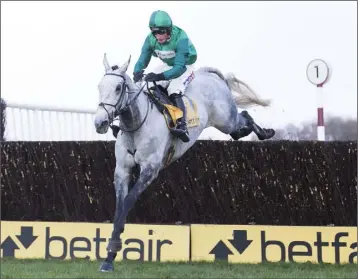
<point>181,131</point>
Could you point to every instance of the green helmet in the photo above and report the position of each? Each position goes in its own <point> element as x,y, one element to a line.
<point>160,19</point>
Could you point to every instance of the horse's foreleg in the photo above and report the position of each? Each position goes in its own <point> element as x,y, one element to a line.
<point>147,174</point>
<point>121,181</point>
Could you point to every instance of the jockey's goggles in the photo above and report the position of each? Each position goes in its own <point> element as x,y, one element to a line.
<point>160,31</point>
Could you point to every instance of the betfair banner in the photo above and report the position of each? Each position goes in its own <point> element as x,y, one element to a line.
<point>52,240</point>
<point>256,244</point>
<point>233,243</point>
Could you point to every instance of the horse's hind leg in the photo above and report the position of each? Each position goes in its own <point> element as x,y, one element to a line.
<point>245,124</point>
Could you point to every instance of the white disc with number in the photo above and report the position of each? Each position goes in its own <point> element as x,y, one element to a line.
<point>317,72</point>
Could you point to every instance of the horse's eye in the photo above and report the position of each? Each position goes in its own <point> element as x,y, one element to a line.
<point>118,88</point>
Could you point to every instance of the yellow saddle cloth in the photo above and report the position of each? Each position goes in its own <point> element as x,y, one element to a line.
<point>173,113</point>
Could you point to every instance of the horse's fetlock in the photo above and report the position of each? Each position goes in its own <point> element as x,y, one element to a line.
<point>114,246</point>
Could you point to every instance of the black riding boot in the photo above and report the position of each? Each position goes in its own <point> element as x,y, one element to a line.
<point>181,130</point>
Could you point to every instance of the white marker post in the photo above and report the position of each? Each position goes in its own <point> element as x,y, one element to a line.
<point>317,73</point>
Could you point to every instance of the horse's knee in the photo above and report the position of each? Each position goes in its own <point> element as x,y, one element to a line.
<point>121,174</point>
<point>121,180</point>
<point>120,194</point>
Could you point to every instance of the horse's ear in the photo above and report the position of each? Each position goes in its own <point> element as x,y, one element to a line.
<point>105,63</point>
<point>124,67</point>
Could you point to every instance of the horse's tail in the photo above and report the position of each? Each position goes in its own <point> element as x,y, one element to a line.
<point>244,96</point>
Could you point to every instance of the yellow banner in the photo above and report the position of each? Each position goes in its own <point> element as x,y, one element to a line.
<point>234,243</point>
<point>255,244</point>
<point>46,240</point>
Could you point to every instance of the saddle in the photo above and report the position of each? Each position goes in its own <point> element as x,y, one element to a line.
<point>158,95</point>
<point>161,99</point>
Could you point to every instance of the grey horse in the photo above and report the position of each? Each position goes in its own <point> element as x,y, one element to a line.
<point>146,141</point>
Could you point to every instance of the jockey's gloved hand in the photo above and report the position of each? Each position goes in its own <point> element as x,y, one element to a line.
<point>137,76</point>
<point>154,77</point>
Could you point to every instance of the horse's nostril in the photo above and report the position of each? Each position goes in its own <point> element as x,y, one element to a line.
<point>101,124</point>
<point>104,123</point>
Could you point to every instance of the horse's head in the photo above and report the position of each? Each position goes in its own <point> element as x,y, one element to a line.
<point>112,95</point>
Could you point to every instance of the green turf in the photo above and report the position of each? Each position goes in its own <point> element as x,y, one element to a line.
<point>13,268</point>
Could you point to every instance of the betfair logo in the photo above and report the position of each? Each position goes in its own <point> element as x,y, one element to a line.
<point>80,247</point>
<point>26,238</point>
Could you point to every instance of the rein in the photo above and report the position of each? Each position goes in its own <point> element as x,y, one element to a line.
<point>127,105</point>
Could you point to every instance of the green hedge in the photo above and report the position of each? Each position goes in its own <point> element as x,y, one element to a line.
<point>272,182</point>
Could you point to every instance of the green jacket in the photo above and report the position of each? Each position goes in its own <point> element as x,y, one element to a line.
<point>178,52</point>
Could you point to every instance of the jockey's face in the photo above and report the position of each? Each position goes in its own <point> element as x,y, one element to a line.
<point>162,35</point>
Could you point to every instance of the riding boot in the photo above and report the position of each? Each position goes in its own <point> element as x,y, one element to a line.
<point>181,130</point>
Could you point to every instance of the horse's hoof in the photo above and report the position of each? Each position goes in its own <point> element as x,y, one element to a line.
<point>106,267</point>
<point>267,134</point>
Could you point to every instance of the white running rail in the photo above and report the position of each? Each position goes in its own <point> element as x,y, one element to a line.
<point>48,123</point>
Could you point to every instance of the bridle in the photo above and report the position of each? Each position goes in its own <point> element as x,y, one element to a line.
<point>120,103</point>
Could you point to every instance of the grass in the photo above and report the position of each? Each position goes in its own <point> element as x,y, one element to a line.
<point>15,268</point>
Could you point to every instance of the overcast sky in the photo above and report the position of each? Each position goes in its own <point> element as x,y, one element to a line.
<point>51,52</point>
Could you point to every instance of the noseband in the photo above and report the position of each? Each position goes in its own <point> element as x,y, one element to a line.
<point>121,101</point>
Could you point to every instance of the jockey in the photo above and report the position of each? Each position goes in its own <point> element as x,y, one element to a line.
<point>173,47</point>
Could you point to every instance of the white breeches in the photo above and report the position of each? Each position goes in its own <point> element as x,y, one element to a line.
<point>177,84</point>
